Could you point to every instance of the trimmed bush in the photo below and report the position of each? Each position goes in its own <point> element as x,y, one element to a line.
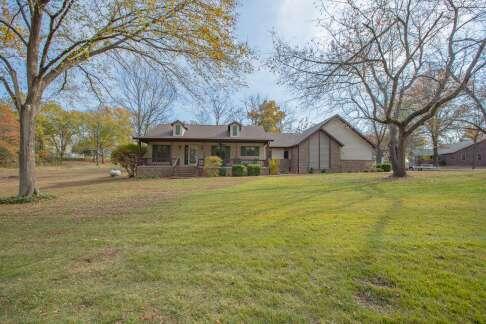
<point>254,169</point>
<point>385,167</point>
<point>212,165</point>
<point>126,156</point>
<point>239,170</point>
<point>274,167</point>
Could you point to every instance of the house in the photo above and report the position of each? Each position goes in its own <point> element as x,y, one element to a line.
<point>179,149</point>
<point>464,153</point>
<point>458,154</point>
<point>333,145</point>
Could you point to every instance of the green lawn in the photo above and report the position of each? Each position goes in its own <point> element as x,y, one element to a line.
<point>317,248</point>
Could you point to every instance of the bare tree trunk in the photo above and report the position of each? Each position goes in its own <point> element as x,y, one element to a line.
<point>397,151</point>
<point>435,145</point>
<point>27,179</point>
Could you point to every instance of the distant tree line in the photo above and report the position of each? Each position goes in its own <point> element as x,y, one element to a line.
<point>91,134</point>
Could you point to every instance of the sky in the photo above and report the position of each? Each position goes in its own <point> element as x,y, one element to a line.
<point>292,20</point>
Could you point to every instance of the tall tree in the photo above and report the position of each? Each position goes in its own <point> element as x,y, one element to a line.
<point>9,134</point>
<point>147,94</point>
<point>438,127</point>
<point>268,115</point>
<point>102,130</point>
<point>381,49</point>
<point>45,42</point>
<point>377,134</point>
<point>59,126</point>
<point>217,108</point>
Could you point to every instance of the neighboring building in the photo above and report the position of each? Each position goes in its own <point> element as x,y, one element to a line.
<point>464,153</point>
<point>457,154</point>
<point>179,149</point>
<point>332,145</point>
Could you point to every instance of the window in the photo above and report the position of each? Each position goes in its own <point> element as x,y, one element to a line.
<point>286,154</point>
<point>463,156</point>
<point>479,156</point>
<point>234,130</point>
<point>250,151</point>
<point>161,153</point>
<point>178,129</point>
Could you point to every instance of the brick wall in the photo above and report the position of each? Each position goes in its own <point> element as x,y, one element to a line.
<point>153,171</point>
<point>355,165</point>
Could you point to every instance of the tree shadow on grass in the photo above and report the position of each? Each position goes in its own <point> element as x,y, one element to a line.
<point>86,182</point>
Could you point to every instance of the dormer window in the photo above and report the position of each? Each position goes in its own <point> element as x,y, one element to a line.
<point>234,129</point>
<point>178,128</point>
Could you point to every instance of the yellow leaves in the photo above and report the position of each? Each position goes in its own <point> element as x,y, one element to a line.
<point>6,35</point>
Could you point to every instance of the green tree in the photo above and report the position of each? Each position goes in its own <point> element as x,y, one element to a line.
<point>44,42</point>
<point>268,115</point>
<point>58,127</point>
<point>126,156</point>
<point>102,130</point>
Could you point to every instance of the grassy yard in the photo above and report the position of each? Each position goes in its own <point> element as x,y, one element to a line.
<point>329,248</point>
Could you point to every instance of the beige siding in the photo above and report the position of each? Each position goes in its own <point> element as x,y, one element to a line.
<point>324,151</point>
<point>303,156</point>
<point>355,147</point>
<point>314,151</point>
<point>277,153</point>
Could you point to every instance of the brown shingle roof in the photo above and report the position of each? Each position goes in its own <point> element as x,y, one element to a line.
<point>208,132</point>
<point>288,140</point>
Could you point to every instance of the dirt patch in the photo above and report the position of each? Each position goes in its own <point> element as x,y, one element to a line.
<point>153,315</point>
<point>377,293</point>
<point>370,298</point>
<point>95,262</point>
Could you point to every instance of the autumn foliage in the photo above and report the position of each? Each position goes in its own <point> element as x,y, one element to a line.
<point>9,135</point>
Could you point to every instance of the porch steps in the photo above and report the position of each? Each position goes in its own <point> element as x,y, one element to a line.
<point>185,172</point>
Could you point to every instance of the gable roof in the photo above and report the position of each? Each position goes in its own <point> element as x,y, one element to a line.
<point>208,133</point>
<point>288,140</point>
<point>453,148</point>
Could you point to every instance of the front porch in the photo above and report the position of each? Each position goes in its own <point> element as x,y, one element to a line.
<point>176,159</point>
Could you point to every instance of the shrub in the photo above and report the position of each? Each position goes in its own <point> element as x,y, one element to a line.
<point>311,170</point>
<point>386,167</point>
<point>212,165</point>
<point>223,172</point>
<point>274,166</point>
<point>239,170</point>
<point>253,169</point>
<point>126,156</point>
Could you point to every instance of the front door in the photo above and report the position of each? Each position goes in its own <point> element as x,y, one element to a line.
<point>190,155</point>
